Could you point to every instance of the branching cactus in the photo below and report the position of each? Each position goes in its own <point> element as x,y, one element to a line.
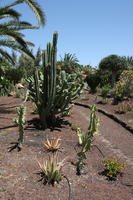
<point>53,93</point>
<point>20,121</point>
<point>85,139</point>
<point>68,88</point>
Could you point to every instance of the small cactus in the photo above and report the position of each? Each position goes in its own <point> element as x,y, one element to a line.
<point>85,139</point>
<point>20,121</point>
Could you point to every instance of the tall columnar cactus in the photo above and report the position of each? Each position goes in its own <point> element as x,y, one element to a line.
<point>45,89</point>
<point>52,93</point>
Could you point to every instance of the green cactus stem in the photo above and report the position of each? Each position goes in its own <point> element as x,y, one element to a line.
<point>86,139</point>
<point>20,122</point>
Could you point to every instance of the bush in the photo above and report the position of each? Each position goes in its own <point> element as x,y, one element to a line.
<point>113,167</point>
<point>124,87</point>
<point>104,90</point>
<point>93,81</point>
<point>14,74</point>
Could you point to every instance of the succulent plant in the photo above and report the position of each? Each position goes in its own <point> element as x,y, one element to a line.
<point>85,139</point>
<point>52,144</point>
<point>51,170</point>
<point>53,94</point>
<point>113,167</point>
<point>20,121</point>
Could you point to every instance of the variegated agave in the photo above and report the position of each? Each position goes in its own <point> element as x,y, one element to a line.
<point>51,170</point>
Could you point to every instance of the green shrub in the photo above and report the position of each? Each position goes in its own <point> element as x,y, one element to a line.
<point>104,90</point>
<point>113,167</point>
<point>93,81</point>
<point>124,87</point>
<point>14,75</point>
<point>6,86</point>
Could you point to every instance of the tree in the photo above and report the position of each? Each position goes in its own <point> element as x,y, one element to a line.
<point>93,81</point>
<point>38,57</point>
<point>129,60</point>
<point>69,63</point>
<point>26,65</point>
<point>114,64</point>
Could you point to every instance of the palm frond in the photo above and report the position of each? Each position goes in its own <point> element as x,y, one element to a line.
<point>17,47</point>
<point>17,25</point>
<point>15,35</point>
<point>40,15</point>
<point>6,55</point>
<point>5,12</point>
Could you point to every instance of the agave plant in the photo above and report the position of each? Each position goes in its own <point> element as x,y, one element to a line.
<point>53,144</point>
<point>51,170</point>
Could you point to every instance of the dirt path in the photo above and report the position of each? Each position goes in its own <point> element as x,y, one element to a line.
<point>112,135</point>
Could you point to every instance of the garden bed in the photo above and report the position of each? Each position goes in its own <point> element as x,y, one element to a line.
<point>18,170</point>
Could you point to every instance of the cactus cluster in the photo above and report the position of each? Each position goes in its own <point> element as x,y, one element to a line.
<point>52,93</point>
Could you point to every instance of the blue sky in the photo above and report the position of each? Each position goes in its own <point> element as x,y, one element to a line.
<point>91,29</point>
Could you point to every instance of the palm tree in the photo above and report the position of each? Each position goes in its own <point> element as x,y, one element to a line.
<point>10,30</point>
<point>36,8</point>
<point>69,63</point>
<point>70,59</point>
<point>10,37</point>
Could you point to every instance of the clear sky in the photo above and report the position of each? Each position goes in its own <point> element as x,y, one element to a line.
<point>91,29</point>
